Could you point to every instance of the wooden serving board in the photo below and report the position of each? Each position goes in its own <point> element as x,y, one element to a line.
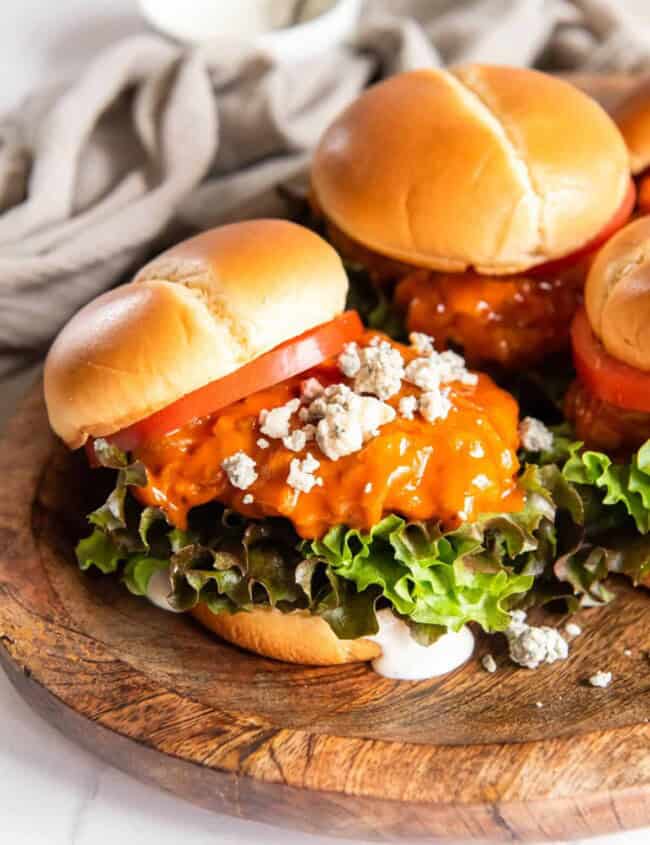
<point>337,750</point>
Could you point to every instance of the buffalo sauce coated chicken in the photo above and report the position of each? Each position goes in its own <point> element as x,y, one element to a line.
<point>513,321</point>
<point>451,463</point>
<point>601,425</point>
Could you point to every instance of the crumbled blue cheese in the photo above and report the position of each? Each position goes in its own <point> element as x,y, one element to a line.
<point>248,499</point>
<point>349,361</point>
<point>531,646</point>
<point>452,368</point>
<point>297,440</point>
<point>263,443</point>
<point>435,368</point>
<point>489,663</point>
<point>240,469</point>
<point>299,437</point>
<point>310,389</point>
<point>572,630</point>
<point>423,373</point>
<point>275,423</point>
<point>380,371</point>
<point>601,679</point>
<point>301,474</point>
<point>422,343</point>
<point>345,420</point>
<point>407,407</point>
<point>434,405</point>
<point>534,435</point>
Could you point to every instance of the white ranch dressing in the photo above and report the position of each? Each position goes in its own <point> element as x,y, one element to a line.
<point>158,590</point>
<point>404,659</point>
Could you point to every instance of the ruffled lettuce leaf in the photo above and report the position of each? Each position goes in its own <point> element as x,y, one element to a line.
<point>605,530</point>
<point>435,580</point>
<point>428,577</point>
<point>622,485</point>
<point>101,551</point>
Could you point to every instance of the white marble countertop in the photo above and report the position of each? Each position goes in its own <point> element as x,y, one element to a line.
<point>54,793</point>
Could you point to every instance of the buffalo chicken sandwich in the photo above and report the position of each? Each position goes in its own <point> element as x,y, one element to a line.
<point>306,488</point>
<point>609,403</point>
<point>474,198</point>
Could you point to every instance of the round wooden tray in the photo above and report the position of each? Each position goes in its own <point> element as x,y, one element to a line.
<point>337,750</point>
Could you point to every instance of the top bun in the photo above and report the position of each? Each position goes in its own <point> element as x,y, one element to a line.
<point>633,119</point>
<point>495,168</point>
<point>194,314</point>
<point>617,294</point>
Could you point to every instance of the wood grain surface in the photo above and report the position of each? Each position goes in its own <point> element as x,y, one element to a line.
<point>338,750</point>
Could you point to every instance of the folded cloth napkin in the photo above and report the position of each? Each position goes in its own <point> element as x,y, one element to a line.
<point>155,140</point>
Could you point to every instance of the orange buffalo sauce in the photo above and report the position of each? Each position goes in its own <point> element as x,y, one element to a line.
<point>452,469</point>
<point>514,321</point>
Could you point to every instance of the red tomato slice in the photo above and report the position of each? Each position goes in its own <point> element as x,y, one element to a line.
<point>289,359</point>
<point>605,376</point>
<point>617,222</point>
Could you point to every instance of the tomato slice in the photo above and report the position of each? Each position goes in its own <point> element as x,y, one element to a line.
<point>291,358</point>
<point>605,376</point>
<point>621,217</point>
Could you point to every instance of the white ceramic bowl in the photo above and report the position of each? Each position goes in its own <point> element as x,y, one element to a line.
<point>250,21</point>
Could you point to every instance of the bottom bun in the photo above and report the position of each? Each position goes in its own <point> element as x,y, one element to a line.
<point>296,637</point>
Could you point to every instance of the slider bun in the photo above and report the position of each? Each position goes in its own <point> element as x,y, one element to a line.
<point>291,637</point>
<point>491,167</point>
<point>617,294</point>
<point>633,119</point>
<point>194,314</point>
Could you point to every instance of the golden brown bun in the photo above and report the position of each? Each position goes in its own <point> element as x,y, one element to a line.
<point>291,637</point>
<point>617,294</point>
<point>492,167</point>
<point>194,314</point>
<point>633,119</point>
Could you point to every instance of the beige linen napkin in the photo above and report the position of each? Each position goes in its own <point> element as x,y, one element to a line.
<point>155,140</point>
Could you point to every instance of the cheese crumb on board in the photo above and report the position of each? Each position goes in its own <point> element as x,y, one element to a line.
<point>572,630</point>
<point>601,679</point>
<point>530,646</point>
<point>489,663</point>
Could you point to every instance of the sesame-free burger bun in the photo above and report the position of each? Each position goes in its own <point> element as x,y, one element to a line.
<point>617,294</point>
<point>632,117</point>
<point>291,637</point>
<point>194,314</point>
<point>495,168</point>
